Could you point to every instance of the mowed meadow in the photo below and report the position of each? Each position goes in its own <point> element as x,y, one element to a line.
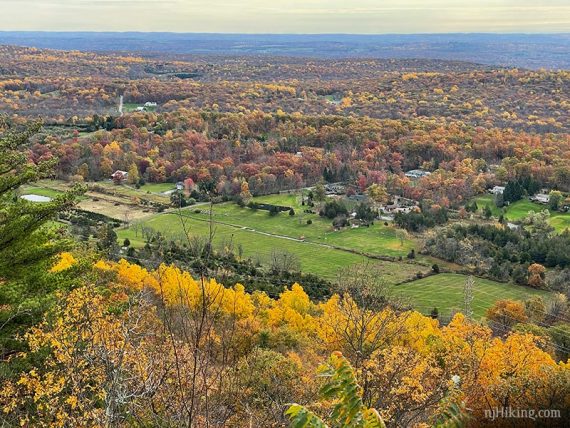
<point>445,292</point>
<point>520,209</point>
<point>320,249</point>
<point>328,253</point>
<point>315,258</point>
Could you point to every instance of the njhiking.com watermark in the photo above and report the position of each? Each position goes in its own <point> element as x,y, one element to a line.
<point>515,413</point>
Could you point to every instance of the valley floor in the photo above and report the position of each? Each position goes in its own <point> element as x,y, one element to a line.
<point>320,249</point>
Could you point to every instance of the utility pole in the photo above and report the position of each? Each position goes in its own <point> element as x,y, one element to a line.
<point>468,296</point>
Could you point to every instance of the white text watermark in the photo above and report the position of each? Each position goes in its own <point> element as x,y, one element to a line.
<point>514,413</point>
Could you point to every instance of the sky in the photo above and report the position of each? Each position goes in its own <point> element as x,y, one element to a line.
<point>288,16</point>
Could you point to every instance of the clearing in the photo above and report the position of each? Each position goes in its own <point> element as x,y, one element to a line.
<point>519,209</point>
<point>315,258</point>
<point>378,239</point>
<point>445,291</point>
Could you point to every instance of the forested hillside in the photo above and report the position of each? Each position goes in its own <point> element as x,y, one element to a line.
<point>261,241</point>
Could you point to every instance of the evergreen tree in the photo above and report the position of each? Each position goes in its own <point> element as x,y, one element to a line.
<point>499,200</point>
<point>27,244</point>
<point>23,240</point>
<point>555,199</point>
<point>530,185</point>
<point>107,239</point>
<point>434,313</point>
<point>513,192</point>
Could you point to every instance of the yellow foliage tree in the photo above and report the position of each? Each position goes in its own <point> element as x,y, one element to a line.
<point>66,260</point>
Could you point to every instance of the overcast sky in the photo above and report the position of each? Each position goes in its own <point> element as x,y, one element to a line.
<point>288,16</point>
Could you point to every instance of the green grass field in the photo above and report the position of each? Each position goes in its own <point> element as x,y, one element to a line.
<point>40,191</point>
<point>49,188</point>
<point>157,187</point>
<point>254,231</point>
<point>314,258</point>
<point>560,221</point>
<point>519,209</point>
<point>152,193</point>
<point>377,239</point>
<point>445,291</point>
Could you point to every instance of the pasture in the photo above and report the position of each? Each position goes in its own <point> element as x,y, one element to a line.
<point>445,291</point>
<point>157,187</point>
<point>519,209</point>
<point>377,239</point>
<point>40,191</point>
<point>315,258</point>
<point>118,202</point>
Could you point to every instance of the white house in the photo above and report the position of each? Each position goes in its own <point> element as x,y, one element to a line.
<point>541,198</point>
<point>497,190</point>
<point>150,104</point>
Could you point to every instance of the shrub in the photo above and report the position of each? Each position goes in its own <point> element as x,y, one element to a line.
<point>340,221</point>
<point>333,209</point>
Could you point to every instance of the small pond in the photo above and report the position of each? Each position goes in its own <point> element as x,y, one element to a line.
<point>36,198</point>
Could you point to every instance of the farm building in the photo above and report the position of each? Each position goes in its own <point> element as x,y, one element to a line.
<point>541,198</point>
<point>119,176</point>
<point>497,190</point>
<point>400,205</point>
<point>335,189</point>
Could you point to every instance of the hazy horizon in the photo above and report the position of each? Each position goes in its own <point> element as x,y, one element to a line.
<point>364,17</point>
<point>458,33</point>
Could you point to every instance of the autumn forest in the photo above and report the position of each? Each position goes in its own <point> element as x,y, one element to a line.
<point>261,241</point>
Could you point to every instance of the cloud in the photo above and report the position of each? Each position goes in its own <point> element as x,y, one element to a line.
<point>306,16</point>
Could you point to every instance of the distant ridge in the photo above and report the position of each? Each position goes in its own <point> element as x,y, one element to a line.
<point>550,51</point>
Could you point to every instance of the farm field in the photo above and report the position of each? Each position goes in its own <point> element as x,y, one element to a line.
<point>318,247</point>
<point>315,258</point>
<point>519,209</point>
<point>118,202</point>
<point>157,187</point>
<point>48,188</point>
<point>445,291</point>
<point>151,193</point>
<point>377,239</point>
<point>40,191</point>
<point>112,209</point>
